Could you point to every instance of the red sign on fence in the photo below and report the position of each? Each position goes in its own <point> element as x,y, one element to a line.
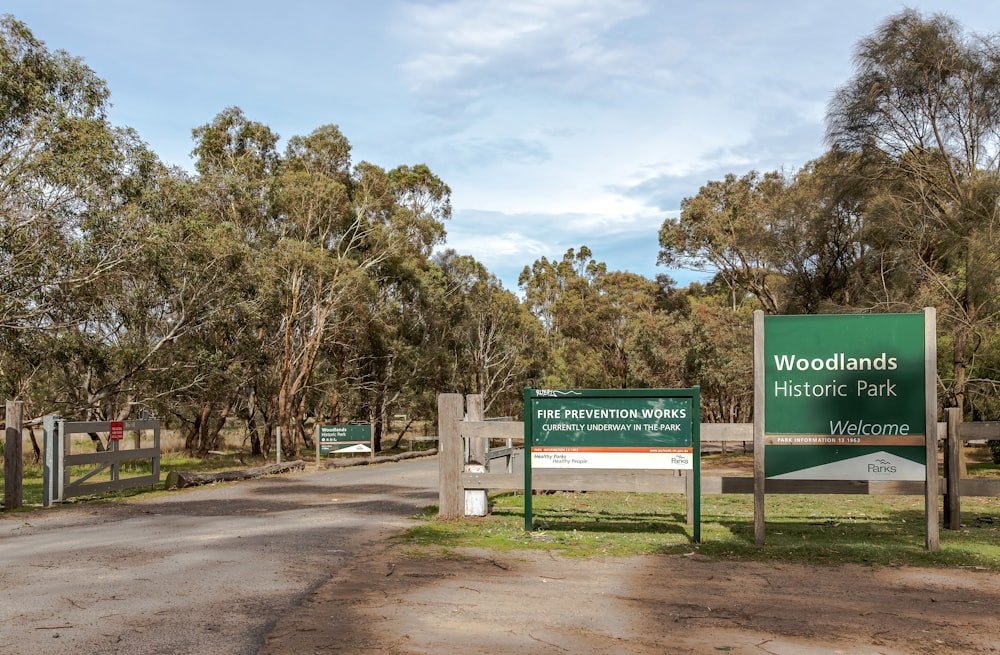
<point>117,430</point>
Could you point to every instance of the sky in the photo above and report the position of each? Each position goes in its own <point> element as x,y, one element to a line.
<point>556,123</point>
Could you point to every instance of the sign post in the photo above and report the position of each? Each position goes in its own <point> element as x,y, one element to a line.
<point>613,429</point>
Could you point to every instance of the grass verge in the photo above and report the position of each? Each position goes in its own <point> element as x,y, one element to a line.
<point>809,529</point>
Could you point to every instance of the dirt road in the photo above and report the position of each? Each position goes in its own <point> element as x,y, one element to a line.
<point>301,565</point>
<point>208,570</point>
<point>534,603</point>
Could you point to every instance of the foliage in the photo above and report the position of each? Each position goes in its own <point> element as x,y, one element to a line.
<point>267,286</point>
<point>280,289</point>
<point>921,113</point>
<point>729,228</point>
<point>719,358</point>
<point>71,191</point>
<point>901,214</point>
<point>589,319</point>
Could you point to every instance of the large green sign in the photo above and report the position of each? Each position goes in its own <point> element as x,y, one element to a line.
<point>844,397</point>
<point>637,429</point>
<point>613,429</point>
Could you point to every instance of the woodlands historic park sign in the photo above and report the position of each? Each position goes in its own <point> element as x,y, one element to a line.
<point>343,439</point>
<point>845,397</point>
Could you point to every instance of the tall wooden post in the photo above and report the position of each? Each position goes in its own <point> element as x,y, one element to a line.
<point>933,538</point>
<point>52,480</point>
<point>475,501</point>
<point>13,496</point>
<point>451,500</point>
<point>953,471</point>
<point>759,481</point>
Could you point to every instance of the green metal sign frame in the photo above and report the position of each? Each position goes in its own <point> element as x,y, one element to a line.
<point>637,429</point>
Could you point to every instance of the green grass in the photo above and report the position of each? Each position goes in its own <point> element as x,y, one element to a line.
<point>815,529</point>
<point>984,470</point>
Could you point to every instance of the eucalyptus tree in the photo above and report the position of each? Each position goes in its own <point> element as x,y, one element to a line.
<point>394,363</point>
<point>791,243</point>
<point>70,186</point>
<point>718,356</point>
<point>728,228</point>
<point>196,289</point>
<point>492,336</point>
<point>320,265</point>
<point>822,231</point>
<point>237,170</point>
<point>627,299</point>
<point>331,255</point>
<point>923,111</point>
<point>589,317</point>
<point>546,285</point>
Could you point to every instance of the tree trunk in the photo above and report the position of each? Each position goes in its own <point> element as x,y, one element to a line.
<point>191,440</point>
<point>182,479</point>
<point>214,429</point>
<point>959,370</point>
<point>377,434</point>
<point>253,430</point>
<point>34,444</point>
<point>403,432</point>
<point>98,444</point>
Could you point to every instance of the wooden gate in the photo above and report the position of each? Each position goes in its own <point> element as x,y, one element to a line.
<point>60,459</point>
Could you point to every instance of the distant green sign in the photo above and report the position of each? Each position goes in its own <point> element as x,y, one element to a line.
<point>845,397</point>
<point>344,439</point>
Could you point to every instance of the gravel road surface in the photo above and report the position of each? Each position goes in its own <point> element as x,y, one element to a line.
<point>206,570</point>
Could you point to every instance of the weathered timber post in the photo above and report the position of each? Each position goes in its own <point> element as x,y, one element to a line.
<point>52,486</point>
<point>475,500</point>
<point>474,412</point>
<point>450,455</point>
<point>759,534</point>
<point>953,469</point>
<point>13,496</point>
<point>931,484</point>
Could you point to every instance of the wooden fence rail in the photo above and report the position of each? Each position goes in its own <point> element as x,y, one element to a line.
<point>58,483</point>
<point>455,427</point>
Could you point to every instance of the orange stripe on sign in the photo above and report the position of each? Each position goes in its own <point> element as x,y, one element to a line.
<point>843,440</point>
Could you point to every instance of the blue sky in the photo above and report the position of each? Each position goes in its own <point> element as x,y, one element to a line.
<point>556,123</point>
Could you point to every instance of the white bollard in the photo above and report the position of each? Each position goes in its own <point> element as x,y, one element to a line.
<point>475,499</point>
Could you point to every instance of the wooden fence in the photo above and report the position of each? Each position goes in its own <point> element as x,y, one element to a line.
<point>58,483</point>
<point>457,426</point>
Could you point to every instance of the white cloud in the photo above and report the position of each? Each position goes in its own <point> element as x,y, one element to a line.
<point>466,46</point>
<point>507,242</point>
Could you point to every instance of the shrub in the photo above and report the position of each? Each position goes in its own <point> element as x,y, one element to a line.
<point>995,451</point>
